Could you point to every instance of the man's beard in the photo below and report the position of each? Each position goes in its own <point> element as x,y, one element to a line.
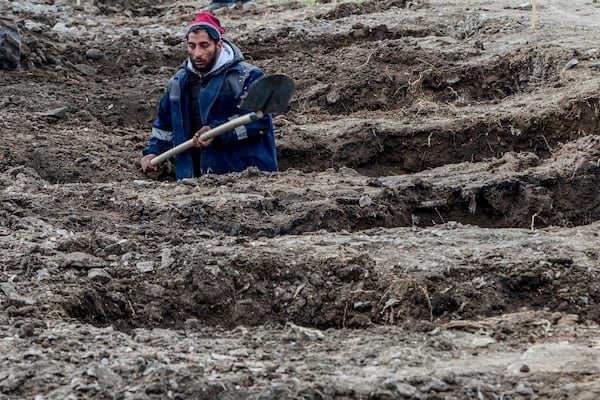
<point>208,66</point>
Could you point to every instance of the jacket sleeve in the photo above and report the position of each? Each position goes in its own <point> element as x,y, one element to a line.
<point>249,131</point>
<point>162,129</point>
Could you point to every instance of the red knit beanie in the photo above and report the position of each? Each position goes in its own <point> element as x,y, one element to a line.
<point>209,22</point>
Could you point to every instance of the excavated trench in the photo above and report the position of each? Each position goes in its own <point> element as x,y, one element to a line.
<point>242,287</point>
<point>433,108</point>
<point>493,119</point>
<point>329,293</point>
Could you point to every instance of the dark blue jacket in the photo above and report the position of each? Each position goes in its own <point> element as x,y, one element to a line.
<point>233,151</point>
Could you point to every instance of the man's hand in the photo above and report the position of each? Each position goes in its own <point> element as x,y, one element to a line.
<point>196,139</point>
<point>145,163</point>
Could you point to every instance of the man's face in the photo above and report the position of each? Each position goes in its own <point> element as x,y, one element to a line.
<point>203,50</point>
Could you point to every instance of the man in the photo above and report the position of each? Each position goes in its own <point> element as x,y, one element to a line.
<point>203,94</point>
<point>219,5</point>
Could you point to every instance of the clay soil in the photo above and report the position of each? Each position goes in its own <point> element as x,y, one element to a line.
<point>432,231</point>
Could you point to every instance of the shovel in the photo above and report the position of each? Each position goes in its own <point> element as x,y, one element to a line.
<point>270,93</point>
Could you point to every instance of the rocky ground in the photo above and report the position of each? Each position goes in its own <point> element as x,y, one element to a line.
<point>432,232</point>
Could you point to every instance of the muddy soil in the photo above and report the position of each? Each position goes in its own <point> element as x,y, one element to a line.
<point>432,232</point>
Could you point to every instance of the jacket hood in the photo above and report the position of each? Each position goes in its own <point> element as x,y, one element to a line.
<point>230,54</point>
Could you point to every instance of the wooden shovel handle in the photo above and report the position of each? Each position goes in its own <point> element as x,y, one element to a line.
<point>216,131</point>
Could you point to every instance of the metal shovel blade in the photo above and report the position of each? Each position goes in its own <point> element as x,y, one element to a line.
<point>270,93</point>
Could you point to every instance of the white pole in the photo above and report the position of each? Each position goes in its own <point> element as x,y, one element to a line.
<point>533,14</point>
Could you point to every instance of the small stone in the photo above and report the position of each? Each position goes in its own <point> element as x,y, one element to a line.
<point>301,333</point>
<point>99,275</point>
<point>364,201</point>
<point>94,54</point>
<point>524,368</point>
<point>449,377</point>
<point>167,258</point>
<point>572,62</point>
<point>390,383</point>
<point>406,390</point>
<point>86,69</point>
<point>27,330</point>
<point>524,389</point>
<point>434,385</point>
<point>107,378</point>
<point>43,274</point>
<point>145,266</point>
<point>56,113</point>
<point>15,299</point>
<point>362,306</point>
<point>79,259</point>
